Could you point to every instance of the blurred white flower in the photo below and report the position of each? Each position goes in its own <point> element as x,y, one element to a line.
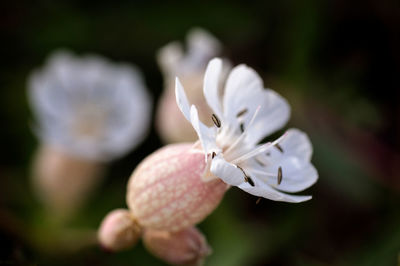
<point>89,107</point>
<point>243,116</point>
<point>201,47</point>
<point>189,64</point>
<point>88,111</point>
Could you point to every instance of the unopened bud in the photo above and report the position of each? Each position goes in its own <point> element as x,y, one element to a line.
<point>167,190</point>
<point>186,247</point>
<point>118,231</point>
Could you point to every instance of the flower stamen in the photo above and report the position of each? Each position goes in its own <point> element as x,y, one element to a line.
<point>242,127</point>
<point>279,175</point>
<point>279,147</point>
<point>246,177</point>
<point>238,140</point>
<point>241,113</point>
<point>259,162</point>
<point>258,150</point>
<point>249,180</point>
<point>216,121</point>
<point>263,173</point>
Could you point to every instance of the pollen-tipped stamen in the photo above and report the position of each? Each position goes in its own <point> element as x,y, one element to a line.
<point>279,147</point>
<point>263,173</point>
<point>241,113</point>
<point>258,150</point>
<point>247,178</point>
<point>279,175</point>
<point>240,138</point>
<point>216,121</point>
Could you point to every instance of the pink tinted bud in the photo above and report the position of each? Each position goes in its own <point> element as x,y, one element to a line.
<point>171,124</point>
<point>118,231</point>
<point>167,191</point>
<point>186,247</point>
<point>63,182</point>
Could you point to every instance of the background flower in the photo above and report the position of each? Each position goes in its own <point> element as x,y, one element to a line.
<point>189,64</point>
<point>89,107</point>
<point>88,111</point>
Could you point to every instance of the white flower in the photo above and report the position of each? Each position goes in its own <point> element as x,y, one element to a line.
<point>89,107</point>
<point>189,64</point>
<point>201,47</point>
<point>243,116</point>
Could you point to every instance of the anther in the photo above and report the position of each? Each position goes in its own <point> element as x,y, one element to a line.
<point>259,162</point>
<point>279,175</point>
<point>258,200</point>
<point>279,147</point>
<point>242,127</point>
<point>213,155</point>
<point>242,112</point>
<point>246,177</point>
<point>249,180</point>
<point>216,120</point>
<point>241,169</point>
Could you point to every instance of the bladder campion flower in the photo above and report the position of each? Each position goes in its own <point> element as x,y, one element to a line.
<point>88,111</point>
<point>189,65</point>
<point>243,115</point>
<point>177,186</point>
<point>89,107</point>
<point>180,184</point>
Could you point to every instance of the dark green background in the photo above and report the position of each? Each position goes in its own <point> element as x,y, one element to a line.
<point>337,62</point>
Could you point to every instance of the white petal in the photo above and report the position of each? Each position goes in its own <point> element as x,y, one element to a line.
<point>62,64</point>
<point>296,143</point>
<point>41,96</point>
<point>169,58</point>
<point>244,91</point>
<point>211,82</point>
<point>297,174</point>
<point>273,114</point>
<point>48,87</point>
<point>229,173</point>
<point>202,45</point>
<point>206,135</point>
<point>181,99</point>
<point>129,111</point>
<point>263,190</point>
<point>242,81</point>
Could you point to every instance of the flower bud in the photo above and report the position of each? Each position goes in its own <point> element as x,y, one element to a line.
<point>185,247</point>
<point>167,190</point>
<point>171,124</point>
<point>63,182</point>
<point>118,231</point>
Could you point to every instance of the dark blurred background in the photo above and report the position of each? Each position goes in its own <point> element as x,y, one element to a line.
<point>337,62</point>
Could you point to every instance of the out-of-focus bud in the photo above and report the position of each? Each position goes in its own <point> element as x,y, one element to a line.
<point>185,247</point>
<point>169,191</point>
<point>172,125</point>
<point>63,182</point>
<point>118,231</point>
<point>189,66</point>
